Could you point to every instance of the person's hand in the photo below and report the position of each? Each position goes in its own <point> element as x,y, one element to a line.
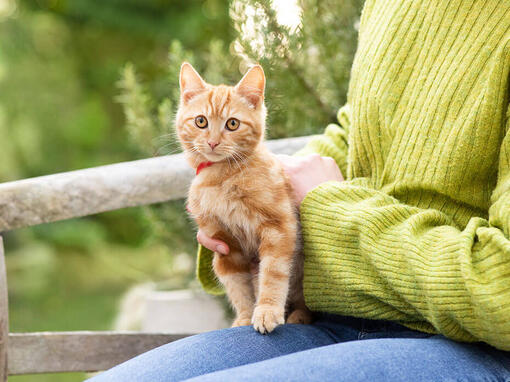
<point>308,172</point>
<point>212,244</point>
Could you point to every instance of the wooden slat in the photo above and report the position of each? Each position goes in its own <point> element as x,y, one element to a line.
<point>53,352</point>
<point>4,315</point>
<point>72,194</point>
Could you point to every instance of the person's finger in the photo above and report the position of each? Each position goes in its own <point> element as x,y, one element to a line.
<point>212,244</point>
<point>336,172</point>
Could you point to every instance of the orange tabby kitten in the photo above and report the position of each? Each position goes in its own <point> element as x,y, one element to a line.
<point>242,196</point>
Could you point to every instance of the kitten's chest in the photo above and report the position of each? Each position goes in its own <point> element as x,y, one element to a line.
<point>225,207</point>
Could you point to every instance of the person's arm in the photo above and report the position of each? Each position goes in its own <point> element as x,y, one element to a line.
<point>369,255</point>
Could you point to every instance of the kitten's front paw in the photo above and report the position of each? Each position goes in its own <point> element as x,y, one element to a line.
<point>241,321</point>
<point>266,318</point>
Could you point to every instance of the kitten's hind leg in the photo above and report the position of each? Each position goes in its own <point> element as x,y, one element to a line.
<point>298,311</point>
<point>299,314</point>
<point>233,271</point>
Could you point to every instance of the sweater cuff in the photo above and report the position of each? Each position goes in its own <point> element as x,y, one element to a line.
<point>205,272</point>
<point>331,258</point>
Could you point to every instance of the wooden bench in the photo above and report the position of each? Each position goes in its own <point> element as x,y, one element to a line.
<point>80,193</point>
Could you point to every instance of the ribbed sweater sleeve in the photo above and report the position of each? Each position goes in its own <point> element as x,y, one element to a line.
<point>369,255</point>
<point>499,212</point>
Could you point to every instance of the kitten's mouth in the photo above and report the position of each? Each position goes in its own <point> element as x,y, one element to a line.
<point>214,157</point>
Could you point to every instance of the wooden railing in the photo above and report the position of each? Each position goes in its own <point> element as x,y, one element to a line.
<point>80,193</point>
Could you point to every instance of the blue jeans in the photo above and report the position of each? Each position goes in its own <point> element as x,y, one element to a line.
<point>334,348</point>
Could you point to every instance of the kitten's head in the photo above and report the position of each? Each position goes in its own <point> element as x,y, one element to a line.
<point>216,123</point>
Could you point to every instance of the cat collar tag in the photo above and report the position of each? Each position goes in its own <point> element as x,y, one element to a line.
<point>203,165</point>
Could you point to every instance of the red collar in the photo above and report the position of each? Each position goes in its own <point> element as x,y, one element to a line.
<point>203,165</point>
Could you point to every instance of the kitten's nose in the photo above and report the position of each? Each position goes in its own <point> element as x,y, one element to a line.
<point>213,145</point>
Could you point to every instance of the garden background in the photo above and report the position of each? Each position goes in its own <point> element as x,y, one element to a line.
<point>91,82</point>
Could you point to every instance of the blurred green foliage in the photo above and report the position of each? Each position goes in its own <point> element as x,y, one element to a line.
<point>90,82</point>
<point>59,65</point>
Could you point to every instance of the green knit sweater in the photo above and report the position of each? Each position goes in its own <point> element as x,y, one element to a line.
<point>419,231</point>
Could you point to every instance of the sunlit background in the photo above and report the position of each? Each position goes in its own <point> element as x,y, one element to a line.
<point>90,82</point>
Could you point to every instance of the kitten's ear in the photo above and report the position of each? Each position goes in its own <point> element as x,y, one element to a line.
<point>191,83</point>
<point>252,86</point>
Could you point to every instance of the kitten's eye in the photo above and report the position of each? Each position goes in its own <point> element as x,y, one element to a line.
<point>201,122</point>
<point>232,124</point>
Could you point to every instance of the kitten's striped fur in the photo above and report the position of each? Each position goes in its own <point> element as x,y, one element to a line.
<point>244,199</point>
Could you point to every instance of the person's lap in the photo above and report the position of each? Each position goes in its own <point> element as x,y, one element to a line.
<point>334,348</point>
<point>386,359</point>
<point>216,350</point>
